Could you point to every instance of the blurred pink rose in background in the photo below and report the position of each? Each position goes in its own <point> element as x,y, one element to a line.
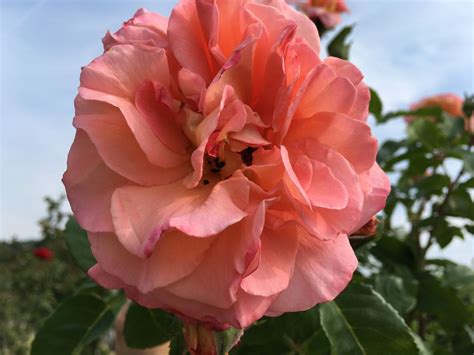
<point>449,103</point>
<point>327,12</point>
<point>219,164</point>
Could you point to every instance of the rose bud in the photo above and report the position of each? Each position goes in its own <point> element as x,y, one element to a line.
<point>219,164</point>
<point>365,234</point>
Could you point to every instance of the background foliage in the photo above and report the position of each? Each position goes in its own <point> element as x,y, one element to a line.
<point>399,302</point>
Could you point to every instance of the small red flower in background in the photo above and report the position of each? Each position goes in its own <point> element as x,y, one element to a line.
<point>43,253</point>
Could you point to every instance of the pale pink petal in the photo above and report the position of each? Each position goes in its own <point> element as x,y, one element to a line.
<point>230,26</point>
<point>250,308</point>
<point>144,28</point>
<point>345,69</point>
<point>121,69</point>
<point>208,13</point>
<point>217,280</point>
<point>192,86</point>
<point>322,187</point>
<point>188,42</point>
<point>338,96</point>
<point>169,262</point>
<point>315,83</point>
<point>305,28</point>
<point>155,104</point>
<point>236,73</point>
<point>251,136</point>
<point>314,279</point>
<point>267,168</point>
<point>360,109</point>
<point>89,185</point>
<point>156,152</point>
<point>376,187</point>
<point>349,137</point>
<point>291,181</point>
<point>278,252</point>
<point>121,152</point>
<point>142,215</point>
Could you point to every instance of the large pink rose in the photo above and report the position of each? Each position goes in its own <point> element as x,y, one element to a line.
<point>219,164</point>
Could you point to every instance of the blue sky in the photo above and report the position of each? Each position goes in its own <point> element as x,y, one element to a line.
<point>406,49</point>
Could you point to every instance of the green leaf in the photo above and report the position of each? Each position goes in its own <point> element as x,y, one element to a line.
<point>444,233</point>
<point>418,165</point>
<point>453,128</point>
<point>468,184</point>
<point>463,342</point>
<point>399,292</point>
<point>78,245</point>
<point>432,185</point>
<point>178,345</point>
<point>441,301</point>
<point>388,149</point>
<point>421,345</point>
<point>338,46</point>
<point>469,228</point>
<point>317,344</point>
<point>413,151</point>
<point>422,112</point>
<point>426,132</point>
<point>226,340</point>
<point>375,106</point>
<point>392,251</point>
<point>299,332</point>
<point>468,159</point>
<point>461,278</point>
<point>146,328</point>
<point>460,204</point>
<point>360,321</point>
<point>75,322</point>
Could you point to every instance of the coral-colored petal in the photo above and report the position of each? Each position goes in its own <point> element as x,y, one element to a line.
<point>217,280</point>
<point>156,152</point>
<point>120,151</point>
<point>188,42</point>
<point>144,28</point>
<point>89,185</point>
<point>323,188</point>
<point>376,187</point>
<point>349,137</point>
<point>142,215</point>
<point>169,262</point>
<point>278,252</point>
<point>121,69</point>
<point>155,104</point>
<point>312,283</point>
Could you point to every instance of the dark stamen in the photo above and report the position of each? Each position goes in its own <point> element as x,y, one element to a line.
<point>246,155</point>
<point>205,182</point>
